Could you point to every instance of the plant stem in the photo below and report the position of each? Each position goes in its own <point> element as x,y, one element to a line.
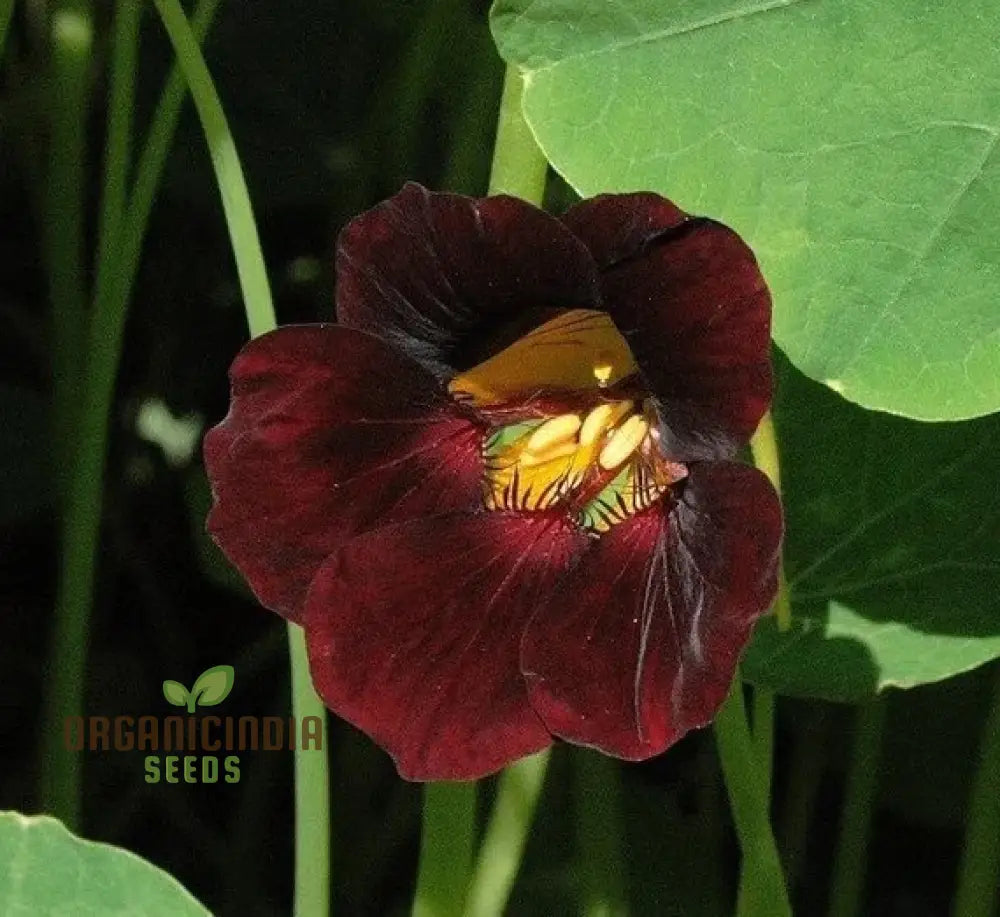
<point>979,872</point>
<point>71,36</point>
<point>312,793</point>
<point>600,830</point>
<point>519,168</point>
<point>59,781</point>
<point>118,142</point>
<point>446,847</point>
<point>764,446</point>
<point>848,884</point>
<point>765,893</point>
<point>506,835</point>
<point>68,106</point>
<point>228,171</point>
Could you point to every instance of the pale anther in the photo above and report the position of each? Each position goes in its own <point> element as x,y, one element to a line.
<point>552,432</point>
<point>624,441</point>
<point>600,418</point>
<point>556,451</point>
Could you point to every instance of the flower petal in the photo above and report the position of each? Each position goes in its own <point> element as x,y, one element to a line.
<point>441,274</point>
<point>689,298</point>
<point>640,640</point>
<point>414,633</point>
<point>330,432</point>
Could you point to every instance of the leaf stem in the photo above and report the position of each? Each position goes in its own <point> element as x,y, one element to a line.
<point>979,871</point>
<point>764,446</point>
<point>765,893</point>
<point>848,884</point>
<point>506,836</point>
<point>600,831</point>
<point>228,171</point>
<point>312,792</point>
<point>519,168</point>
<point>59,781</point>
<point>68,105</point>
<point>71,37</point>
<point>446,848</point>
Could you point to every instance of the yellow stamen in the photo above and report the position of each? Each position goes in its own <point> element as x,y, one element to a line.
<point>556,451</point>
<point>601,418</point>
<point>624,441</point>
<point>553,432</point>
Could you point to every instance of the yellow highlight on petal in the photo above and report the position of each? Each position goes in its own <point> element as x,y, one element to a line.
<point>579,349</point>
<point>557,430</point>
<point>624,441</point>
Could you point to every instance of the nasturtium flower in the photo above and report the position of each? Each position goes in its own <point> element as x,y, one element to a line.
<point>501,492</point>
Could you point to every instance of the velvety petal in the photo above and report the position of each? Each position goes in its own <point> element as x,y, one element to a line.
<point>330,432</point>
<point>452,279</point>
<point>414,633</point>
<point>639,642</point>
<point>689,298</point>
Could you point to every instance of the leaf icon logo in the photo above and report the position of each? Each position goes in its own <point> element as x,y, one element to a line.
<point>210,688</point>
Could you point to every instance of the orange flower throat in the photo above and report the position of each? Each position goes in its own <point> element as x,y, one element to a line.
<point>601,460</point>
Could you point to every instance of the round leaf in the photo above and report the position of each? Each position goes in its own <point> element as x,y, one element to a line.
<point>48,872</point>
<point>853,144</point>
<point>892,548</point>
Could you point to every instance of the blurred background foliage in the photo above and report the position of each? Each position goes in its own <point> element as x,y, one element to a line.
<point>333,106</point>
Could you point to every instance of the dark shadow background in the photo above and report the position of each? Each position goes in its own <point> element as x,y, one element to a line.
<point>333,105</point>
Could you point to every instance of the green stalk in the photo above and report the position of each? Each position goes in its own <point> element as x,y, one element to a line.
<point>979,872</point>
<point>447,843</point>
<point>228,171</point>
<point>600,835</point>
<point>519,167</point>
<point>59,781</point>
<point>312,812</point>
<point>312,793</point>
<point>506,836</point>
<point>118,142</point>
<point>764,892</point>
<point>847,893</point>
<point>71,40</point>
<point>68,105</point>
<point>764,446</point>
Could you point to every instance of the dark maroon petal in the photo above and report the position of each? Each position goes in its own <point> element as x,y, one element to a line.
<point>330,432</point>
<point>689,298</point>
<point>414,633</point>
<point>640,640</point>
<point>442,274</point>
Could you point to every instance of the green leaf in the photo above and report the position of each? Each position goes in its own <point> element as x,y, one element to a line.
<point>48,872</point>
<point>852,143</point>
<point>213,685</point>
<point>892,549</point>
<point>175,693</point>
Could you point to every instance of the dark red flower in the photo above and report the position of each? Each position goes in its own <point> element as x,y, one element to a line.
<point>500,493</point>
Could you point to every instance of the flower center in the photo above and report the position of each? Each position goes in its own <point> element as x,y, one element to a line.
<point>599,460</point>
